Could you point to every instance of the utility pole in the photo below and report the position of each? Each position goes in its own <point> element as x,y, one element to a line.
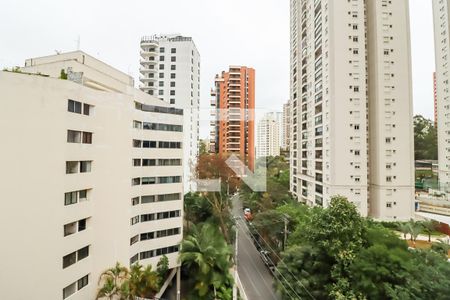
<point>285,231</point>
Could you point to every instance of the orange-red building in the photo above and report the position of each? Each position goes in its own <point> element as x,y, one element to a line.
<point>234,126</point>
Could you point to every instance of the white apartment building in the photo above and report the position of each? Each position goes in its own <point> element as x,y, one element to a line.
<point>441,13</point>
<point>352,105</point>
<point>104,168</point>
<point>286,138</point>
<point>268,135</point>
<point>170,70</point>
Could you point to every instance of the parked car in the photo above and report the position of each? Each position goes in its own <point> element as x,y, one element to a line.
<point>265,256</point>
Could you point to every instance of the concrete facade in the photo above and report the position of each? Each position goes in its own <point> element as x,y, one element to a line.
<point>352,105</point>
<point>98,192</point>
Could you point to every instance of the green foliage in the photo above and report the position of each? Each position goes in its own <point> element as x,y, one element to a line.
<point>425,139</point>
<point>119,282</point>
<point>206,254</point>
<point>441,247</point>
<point>336,254</point>
<point>63,74</point>
<point>163,266</point>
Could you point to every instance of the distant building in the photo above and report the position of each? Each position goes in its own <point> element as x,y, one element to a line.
<point>268,135</point>
<point>170,70</point>
<point>233,106</point>
<point>435,100</point>
<point>351,92</point>
<point>286,137</point>
<point>102,165</point>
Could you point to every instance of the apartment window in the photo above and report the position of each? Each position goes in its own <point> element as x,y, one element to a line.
<point>85,166</point>
<point>162,50</point>
<point>82,253</point>
<point>82,282</point>
<point>136,181</point>
<point>147,199</point>
<point>169,197</point>
<point>148,162</point>
<point>161,83</point>
<point>74,106</point>
<point>135,201</point>
<point>173,50</point>
<point>69,290</point>
<point>87,138</point>
<point>136,162</point>
<point>70,198</point>
<point>388,179</point>
<point>148,180</point>
<point>134,220</point>
<point>172,101</point>
<point>161,92</point>
<point>172,84</point>
<point>172,93</point>
<point>388,204</point>
<point>82,224</point>
<point>69,259</point>
<point>137,143</point>
<point>71,167</point>
<point>173,59</point>
<point>172,75</point>
<point>161,67</point>
<point>73,136</point>
<point>161,75</point>
<point>161,58</point>
<point>134,239</point>
<point>86,109</point>
<point>357,152</point>
<point>173,67</point>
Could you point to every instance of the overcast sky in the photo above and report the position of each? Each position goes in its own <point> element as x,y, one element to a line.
<point>254,33</point>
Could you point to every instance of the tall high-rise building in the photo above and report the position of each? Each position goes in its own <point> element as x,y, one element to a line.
<point>435,100</point>
<point>441,15</point>
<point>104,167</point>
<point>268,135</point>
<point>352,105</point>
<point>170,70</point>
<point>286,138</point>
<point>234,114</point>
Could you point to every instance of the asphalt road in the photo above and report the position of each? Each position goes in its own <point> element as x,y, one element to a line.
<point>254,275</point>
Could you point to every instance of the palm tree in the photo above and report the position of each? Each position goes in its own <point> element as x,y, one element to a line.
<point>113,280</point>
<point>429,227</point>
<point>143,282</point>
<point>403,228</point>
<point>441,246</point>
<point>206,254</point>
<point>414,230</point>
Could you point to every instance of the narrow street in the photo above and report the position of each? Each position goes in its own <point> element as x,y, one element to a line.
<point>255,276</point>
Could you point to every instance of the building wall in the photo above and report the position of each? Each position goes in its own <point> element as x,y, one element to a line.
<point>334,150</point>
<point>234,132</point>
<point>441,13</point>
<point>390,111</point>
<point>186,92</point>
<point>286,139</point>
<point>268,136</point>
<point>38,150</point>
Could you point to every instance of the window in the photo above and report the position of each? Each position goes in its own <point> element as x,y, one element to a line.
<point>70,198</point>
<point>136,162</point>
<point>82,282</point>
<point>82,225</point>
<point>134,239</point>
<point>147,199</point>
<point>172,93</point>
<point>148,162</point>
<point>69,259</point>
<point>161,67</point>
<point>69,290</point>
<point>85,166</point>
<point>82,253</point>
<point>73,136</point>
<point>148,180</point>
<point>134,220</point>
<point>87,138</point>
<point>173,59</point>
<point>172,101</point>
<point>86,109</point>
<point>136,181</point>
<point>161,58</point>
<point>161,75</point>
<point>161,83</point>
<point>135,201</point>
<point>71,167</point>
<point>173,67</point>
<point>173,50</point>
<point>172,84</point>
<point>172,75</point>
<point>388,204</point>
<point>74,106</point>
<point>162,50</point>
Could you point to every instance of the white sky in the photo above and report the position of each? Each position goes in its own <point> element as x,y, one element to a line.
<point>254,33</point>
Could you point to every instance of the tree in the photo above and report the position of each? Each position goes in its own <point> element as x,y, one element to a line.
<point>143,281</point>
<point>425,138</point>
<point>205,253</point>
<point>429,227</point>
<point>403,228</point>
<point>415,228</point>
<point>162,267</point>
<point>112,281</point>
<point>441,247</point>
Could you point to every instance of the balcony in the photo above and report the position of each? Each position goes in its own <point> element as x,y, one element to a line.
<point>149,41</point>
<point>148,62</point>
<point>147,79</point>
